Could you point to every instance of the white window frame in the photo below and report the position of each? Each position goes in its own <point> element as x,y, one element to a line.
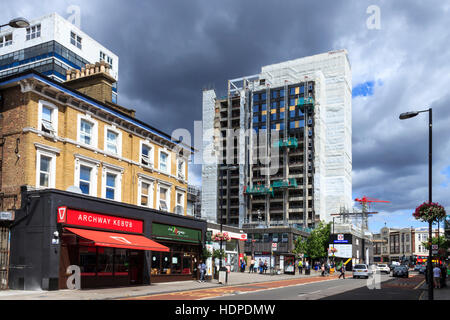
<point>77,39</point>
<point>182,174</point>
<point>118,181</point>
<point>168,187</point>
<point>151,183</point>
<point>30,34</point>
<point>119,140</point>
<point>54,116</point>
<point>47,152</point>
<point>94,138</point>
<point>151,158</point>
<point>177,193</point>
<point>4,42</point>
<point>94,165</point>
<point>168,161</point>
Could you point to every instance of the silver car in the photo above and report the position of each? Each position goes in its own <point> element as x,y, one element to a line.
<point>361,270</point>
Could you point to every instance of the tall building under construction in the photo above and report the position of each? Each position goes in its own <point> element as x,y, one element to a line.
<point>277,149</point>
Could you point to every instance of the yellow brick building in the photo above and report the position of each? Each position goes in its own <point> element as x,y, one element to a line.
<point>61,135</point>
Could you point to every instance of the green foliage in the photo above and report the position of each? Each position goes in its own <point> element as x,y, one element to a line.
<point>441,241</point>
<point>206,254</point>
<point>218,254</point>
<point>315,246</point>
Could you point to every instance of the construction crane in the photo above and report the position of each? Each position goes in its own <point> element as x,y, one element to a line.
<point>365,204</point>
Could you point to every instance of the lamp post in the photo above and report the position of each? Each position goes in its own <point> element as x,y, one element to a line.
<point>222,169</point>
<point>17,23</point>
<point>408,115</point>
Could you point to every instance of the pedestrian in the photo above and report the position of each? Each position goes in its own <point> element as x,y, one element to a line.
<point>265,266</point>
<point>342,272</point>
<point>444,275</point>
<point>306,267</point>
<point>260,264</point>
<point>437,277</point>
<point>202,268</point>
<point>252,266</point>
<point>243,265</point>
<point>300,266</point>
<point>323,270</point>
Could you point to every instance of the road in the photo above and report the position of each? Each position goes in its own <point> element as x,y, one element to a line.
<point>315,288</point>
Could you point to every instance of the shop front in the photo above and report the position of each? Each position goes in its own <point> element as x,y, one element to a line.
<point>109,250</point>
<point>110,244</point>
<point>181,261</point>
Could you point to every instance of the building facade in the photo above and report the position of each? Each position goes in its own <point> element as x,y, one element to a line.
<point>194,201</point>
<point>51,45</point>
<point>402,245</point>
<point>279,144</point>
<point>70,136</point>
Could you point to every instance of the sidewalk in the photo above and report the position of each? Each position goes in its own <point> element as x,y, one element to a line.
<point>438,294</point>
<point>234,278</point>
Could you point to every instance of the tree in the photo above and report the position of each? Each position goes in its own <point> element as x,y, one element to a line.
<point>316,245</point>
<point>443,243</point>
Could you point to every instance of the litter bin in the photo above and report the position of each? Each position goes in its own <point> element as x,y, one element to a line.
<point>307,271</point>
<point>223,275</point>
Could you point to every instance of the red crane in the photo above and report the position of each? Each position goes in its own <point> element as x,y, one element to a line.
<point>365,203</point>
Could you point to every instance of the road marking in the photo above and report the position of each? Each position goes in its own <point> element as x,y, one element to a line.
<point>419,285</point>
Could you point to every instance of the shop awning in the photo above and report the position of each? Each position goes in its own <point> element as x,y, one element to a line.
<point>119,240</point>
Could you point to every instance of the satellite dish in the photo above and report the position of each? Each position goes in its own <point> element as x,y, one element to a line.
<point>74,189</point>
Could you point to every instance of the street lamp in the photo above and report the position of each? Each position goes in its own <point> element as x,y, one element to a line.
<point>222,169</point>
<point>17,23</point>
<point>408,115</point>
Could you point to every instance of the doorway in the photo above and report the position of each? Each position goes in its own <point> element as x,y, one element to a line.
<point>136,266</point>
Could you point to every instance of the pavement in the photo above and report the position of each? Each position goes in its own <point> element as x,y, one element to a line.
<point>234,278</point>
<point>438,294</point>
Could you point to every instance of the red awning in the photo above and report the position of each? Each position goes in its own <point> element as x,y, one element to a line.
<point>119,240</point>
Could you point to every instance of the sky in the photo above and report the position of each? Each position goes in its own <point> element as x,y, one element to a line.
<point>399,51</point>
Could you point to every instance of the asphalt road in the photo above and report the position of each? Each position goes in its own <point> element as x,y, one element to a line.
<point>340,289</point>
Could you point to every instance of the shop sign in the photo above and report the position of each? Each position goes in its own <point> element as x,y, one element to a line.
<point>233,235</point>
<point>7,215</point>
<point>164,231</point>
<point>93,220</point>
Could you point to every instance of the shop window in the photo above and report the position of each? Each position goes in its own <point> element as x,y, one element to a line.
<point>156,263</point>
<point>105,261</point>
<point>88,260</point>
<point>187,265</point>
<point>176,262</point>
<point>121,262</point>
<point>165,263</point>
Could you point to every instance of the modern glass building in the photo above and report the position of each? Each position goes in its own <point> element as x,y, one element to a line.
<point>51,45</point>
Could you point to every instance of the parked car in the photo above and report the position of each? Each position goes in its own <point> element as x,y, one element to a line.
<point>361,270</point>
<point>417,267</point>
<point>383,268</point>
<point>422,269</point>
<point>400,271</point>
<point>393,265</point>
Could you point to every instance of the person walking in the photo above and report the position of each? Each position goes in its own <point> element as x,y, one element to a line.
<point>202,268</point>
<point>437,277</point>
<point>323,270</point>
<point>300,266</point>
<point>252,266</point>
<point>342,272</point>
<point>265,266</point>
<point>261,264</point>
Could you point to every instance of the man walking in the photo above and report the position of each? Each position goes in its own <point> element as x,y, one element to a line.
<point>300,266</point>
<point>202,267</point>
<point>437,277</point>
<point>342,272</point>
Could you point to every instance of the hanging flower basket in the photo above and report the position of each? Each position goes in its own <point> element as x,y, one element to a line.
<point>429,212</point>
<point>221,236</point>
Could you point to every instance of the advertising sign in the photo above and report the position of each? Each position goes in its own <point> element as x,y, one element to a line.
<point>94,220</point>
<point>342,250</point>
<point>341,238</point>
<point>165,231</point>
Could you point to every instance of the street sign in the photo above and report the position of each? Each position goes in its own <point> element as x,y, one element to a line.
<point>434,247</point>
<point>435,252</point>
<point>274,246</point>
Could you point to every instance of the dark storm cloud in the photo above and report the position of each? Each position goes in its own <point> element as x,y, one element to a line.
<point>170,50</point>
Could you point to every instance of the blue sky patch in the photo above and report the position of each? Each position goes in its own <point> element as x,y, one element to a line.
<point>364,89</point>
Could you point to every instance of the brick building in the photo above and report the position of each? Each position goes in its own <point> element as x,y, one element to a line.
<point>71,137</point>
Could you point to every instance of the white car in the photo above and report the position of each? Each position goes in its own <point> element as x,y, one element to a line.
<point>361,270</point>
<point>383,268</point>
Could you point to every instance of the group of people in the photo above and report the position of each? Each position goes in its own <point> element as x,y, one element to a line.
<point>261,267</point>
<point>439,275</point>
